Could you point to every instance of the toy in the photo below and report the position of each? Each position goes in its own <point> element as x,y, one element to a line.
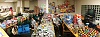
<point>87,32</point>
<point>77,19</point>
<point>68,19</point>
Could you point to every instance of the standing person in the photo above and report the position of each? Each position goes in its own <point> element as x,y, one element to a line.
<point>11,11</point>
<point>37,18</point>
<point>56,26</point>
<point>60,26</point>
<point>33,23</point>
<point>28,21</point>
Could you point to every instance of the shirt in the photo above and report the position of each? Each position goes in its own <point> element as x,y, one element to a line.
<point>33,22</point>
<point>55,21</point>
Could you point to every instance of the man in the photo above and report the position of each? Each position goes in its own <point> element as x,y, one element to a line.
<point>33,23</point>
<point>56,22</point>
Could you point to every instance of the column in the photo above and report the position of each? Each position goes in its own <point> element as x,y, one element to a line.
<point>22,6</point>
<point>46,6</point>
<point>18,7</point>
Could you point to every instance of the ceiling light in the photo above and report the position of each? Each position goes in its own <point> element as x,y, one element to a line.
<point>9,1</point>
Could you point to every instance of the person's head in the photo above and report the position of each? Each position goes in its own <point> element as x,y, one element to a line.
<point>98,24</point>
<point>53,3</point>
<point>32,18</point>
<point>27,18</point>
<point>49,3</point>
<point>21,20</point>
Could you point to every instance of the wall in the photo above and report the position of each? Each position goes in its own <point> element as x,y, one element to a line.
<point>32,4</point>
<point>7,5</point>
<point>85,2</point>
<point>26,3</point>
<point>42,3</point>
<point>15,6</point>
<point>57,2</point>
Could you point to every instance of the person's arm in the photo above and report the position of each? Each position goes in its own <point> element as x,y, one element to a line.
<point>54,20</point>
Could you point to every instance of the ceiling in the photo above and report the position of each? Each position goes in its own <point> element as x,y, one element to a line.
<point>13,0</point>
<point>8,0</point>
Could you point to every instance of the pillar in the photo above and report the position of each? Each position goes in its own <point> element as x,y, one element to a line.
<point>18,7</point>
<point>22,6</point>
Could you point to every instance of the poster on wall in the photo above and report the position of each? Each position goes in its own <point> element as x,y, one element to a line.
<point>61,6</point>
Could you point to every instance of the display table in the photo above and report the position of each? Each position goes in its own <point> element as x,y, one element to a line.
<point>3,32</point>
<point>75,34</point>
<point>44,30</point>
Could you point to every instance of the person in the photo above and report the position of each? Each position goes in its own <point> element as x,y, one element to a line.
<point>56,25</point>
<point>60,26</point>
<point>35,27</point>
<point>20,23</point>
<point>37,18</point>
<point>28,21</point>
<point>33,23</point>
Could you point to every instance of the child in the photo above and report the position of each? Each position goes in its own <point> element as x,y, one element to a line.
<point>33,23</point>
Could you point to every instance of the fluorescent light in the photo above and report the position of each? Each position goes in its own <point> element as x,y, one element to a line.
<point>47,6</point>
<point>9,1</point>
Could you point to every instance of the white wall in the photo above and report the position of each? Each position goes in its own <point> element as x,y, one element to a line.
<point>85,2</point>
<point>7,5</point>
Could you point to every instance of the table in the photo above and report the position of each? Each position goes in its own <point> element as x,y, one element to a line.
<point>75,34</point>
<point>3,32</point>
<point>47,27</point>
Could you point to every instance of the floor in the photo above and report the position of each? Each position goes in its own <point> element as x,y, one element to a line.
<point>66,34</point>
